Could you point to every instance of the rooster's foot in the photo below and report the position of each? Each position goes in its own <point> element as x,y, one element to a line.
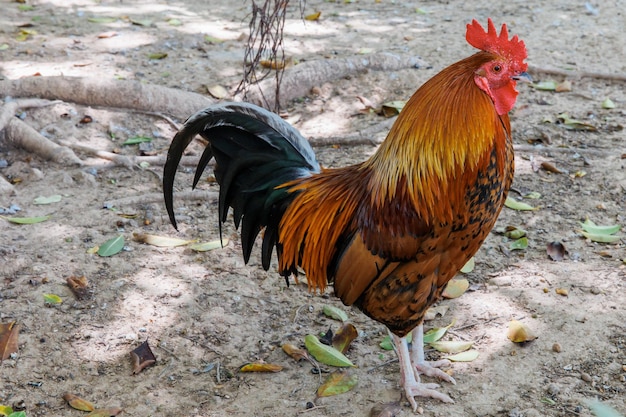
<point>432,370</point>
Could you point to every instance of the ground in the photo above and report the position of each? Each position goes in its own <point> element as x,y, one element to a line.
<point>206,314</point>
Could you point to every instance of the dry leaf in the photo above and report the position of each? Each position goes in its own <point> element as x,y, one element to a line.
<point>8,339</point>
<point>142,357</point>
<point>260,367</point>
<point>386,410</point>
<point>106,35</point>
<point>519,332</point>
<point>556,251</point>
<point>104,412</point>
<point>160,241</point>
<point>313,16</point>
<point>78,403</point>
<point>562,291</point>
<point>344,336</point>
<point>563,87</point>
<point>217,91</point>
<point>79,286</point>
<point>452,346</point>
<point>433,312</point>
<point>295,352</point>
<point>547,166</point>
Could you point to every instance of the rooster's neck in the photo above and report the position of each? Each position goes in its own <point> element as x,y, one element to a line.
<point>441,140</point>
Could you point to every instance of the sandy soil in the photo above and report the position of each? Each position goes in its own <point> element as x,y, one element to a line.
<point>205,313</point>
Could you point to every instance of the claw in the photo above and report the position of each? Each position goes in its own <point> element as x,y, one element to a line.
<point>431,369</point>
<point>411,371</point>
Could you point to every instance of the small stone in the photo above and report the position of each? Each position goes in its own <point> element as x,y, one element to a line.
<point>501,281</point>
<point>556,348</point>
<point>562,291</point>
<point>585,377</point>
<point>553,389</point>
<point>581,319</point>
<point>595,290</point>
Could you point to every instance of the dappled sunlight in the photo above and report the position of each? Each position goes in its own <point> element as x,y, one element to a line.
<point>148,307</point>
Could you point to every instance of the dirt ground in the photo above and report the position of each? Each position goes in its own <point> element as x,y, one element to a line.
<point>207,314</point>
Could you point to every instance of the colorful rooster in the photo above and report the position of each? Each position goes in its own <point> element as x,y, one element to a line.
<point>390,232</point>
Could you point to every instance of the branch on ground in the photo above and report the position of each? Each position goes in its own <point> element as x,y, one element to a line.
<point>120,94</point>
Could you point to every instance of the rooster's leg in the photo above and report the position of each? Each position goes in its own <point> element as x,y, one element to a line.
<point>410,376</point>
<point>419,362</point>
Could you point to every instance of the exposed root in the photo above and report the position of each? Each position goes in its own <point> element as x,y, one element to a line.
<point>20,135</point>
<point>121,94</point>
<point>297,81</point>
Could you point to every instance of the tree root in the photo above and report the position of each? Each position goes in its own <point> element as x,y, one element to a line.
<point>297,81</point>
<point>121,94</point>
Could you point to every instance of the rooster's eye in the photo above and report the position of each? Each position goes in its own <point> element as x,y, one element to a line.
<point>497,68</point>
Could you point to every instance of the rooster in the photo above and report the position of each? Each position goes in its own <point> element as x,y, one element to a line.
<point>390,232</point>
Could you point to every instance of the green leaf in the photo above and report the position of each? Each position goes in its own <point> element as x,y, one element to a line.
<point>26,220</point>
<point>608,104</point>
<point>386,343</point>
<point>174,22</point>
<point>52,299</point>
<point>574,124</point>
<point>4,46</point>
<point>5,410</point>
<point>18,414</point>
<point>590,227</point>
<point>602,410</point>
<point>25,7</point>
<point>436,333</point>
<point>325,354</point>
<point>467,356</point>
<point>601,238</point>
<point>513,232</point>
<point>101,19</point>
<point>111,246</point>
<point>207,246</point>
<point>469,266</point>
<point>337,383</point>
<point>533,195</point>
<point>157,55</point>
<point>455,288</point>
<point>517,205</point>
<point>211,39</point>
<point>47,200</point>
<point>519,244</point>
<point>335,313</point>
<point>545,86</point>
<point>137,139</point>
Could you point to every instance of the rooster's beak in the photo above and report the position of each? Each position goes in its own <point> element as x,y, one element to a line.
<point>523,77</point>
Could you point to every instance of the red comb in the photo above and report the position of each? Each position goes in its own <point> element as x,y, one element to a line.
<point>490,41</point>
